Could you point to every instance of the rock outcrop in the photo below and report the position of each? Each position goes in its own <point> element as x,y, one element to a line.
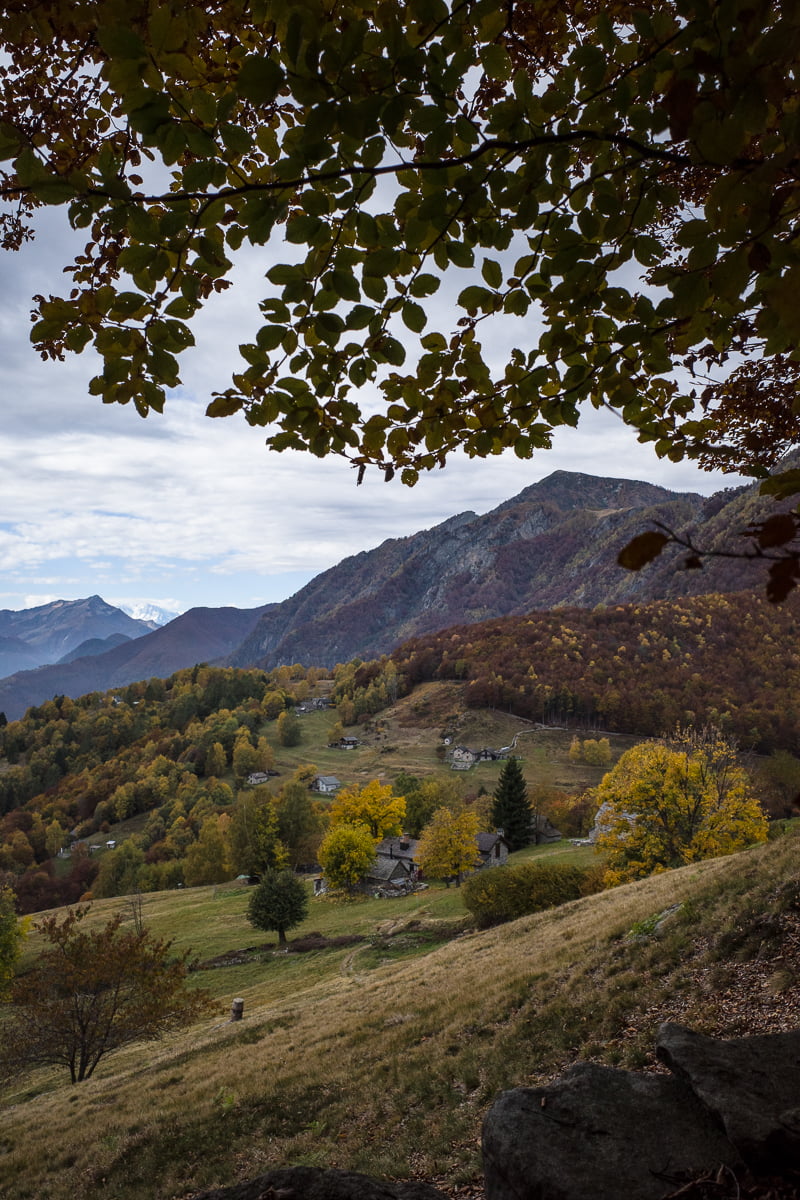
<point>752,1084</point>
<point>604,1133</point>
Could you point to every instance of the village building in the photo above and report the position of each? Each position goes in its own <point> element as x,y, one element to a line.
<point>462,757</point>
<point>493,849</point>
<point>326,785</point>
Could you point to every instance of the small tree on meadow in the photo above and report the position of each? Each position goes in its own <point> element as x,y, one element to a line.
<point>511,810</point>
<point>279,902</point>
<point>91,992</point>
<point>289,729</point>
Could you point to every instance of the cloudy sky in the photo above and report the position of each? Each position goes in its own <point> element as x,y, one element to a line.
<point>180,510</point>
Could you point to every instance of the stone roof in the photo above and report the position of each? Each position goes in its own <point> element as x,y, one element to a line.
<point>487,841</point>
<point>384,869</point>
<point>397,847</point>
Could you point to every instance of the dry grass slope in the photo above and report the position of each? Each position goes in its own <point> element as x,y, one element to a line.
<point>389,1068</point>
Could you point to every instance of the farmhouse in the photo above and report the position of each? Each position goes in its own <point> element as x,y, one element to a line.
<point>257,778</point>
<point>462,758</point>
<point>326,784</point>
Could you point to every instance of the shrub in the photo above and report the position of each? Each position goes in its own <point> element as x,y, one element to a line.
<point>505,893</point>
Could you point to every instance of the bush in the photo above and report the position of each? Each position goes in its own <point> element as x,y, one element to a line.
<point>505,893</point>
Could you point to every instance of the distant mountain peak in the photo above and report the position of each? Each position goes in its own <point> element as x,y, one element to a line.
<point>152,614</point>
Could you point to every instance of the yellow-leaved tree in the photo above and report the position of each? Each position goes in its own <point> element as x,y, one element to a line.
<point>667,803</point>
<point>447,847</point>
<point>346,854</point>
<point>375,805</point>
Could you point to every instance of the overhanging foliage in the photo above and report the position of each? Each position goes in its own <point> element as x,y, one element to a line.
<point>616,184</point>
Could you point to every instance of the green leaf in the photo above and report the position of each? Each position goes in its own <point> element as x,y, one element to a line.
<point>54,191</point>
<point>783,485</point>
<point>269,337</point>
<point>424,285</point>
<point>236,140</point>
<point>260,79</point>
<point>345,285</point>
<point>492,272</point>
<point>359,317</point>
<point>474,298</point>
<point>120,41</point>
<point>433,342</point>
<point>496,62</point>
<point>225,406</point>
<point>414,316</point>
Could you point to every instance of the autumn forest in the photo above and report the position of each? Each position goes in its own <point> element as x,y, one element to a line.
<point>176,754</point>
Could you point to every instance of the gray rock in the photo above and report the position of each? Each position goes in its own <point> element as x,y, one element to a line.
<point>752,1083</point>
<point>314,1183</point>
<point>599,1134</point>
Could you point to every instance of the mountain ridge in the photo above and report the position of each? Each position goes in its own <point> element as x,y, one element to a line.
<point>50,631</point>
<point>553,544</point>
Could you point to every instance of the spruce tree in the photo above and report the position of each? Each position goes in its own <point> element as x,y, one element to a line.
<point>511,810</point>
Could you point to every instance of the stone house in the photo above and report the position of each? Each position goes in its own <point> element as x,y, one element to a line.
<point>493,849</point>
<point>394,862</point>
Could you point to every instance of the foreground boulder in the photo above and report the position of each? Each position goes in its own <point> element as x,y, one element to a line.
<point>751,1083</point>
<point>599,1133</point>
<point>603,1134</point>
<point>314,1183</point>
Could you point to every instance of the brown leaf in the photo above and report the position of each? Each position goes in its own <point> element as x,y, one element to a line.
<point>777,530</point>
<point>783,577</point>
<point>642,550</point>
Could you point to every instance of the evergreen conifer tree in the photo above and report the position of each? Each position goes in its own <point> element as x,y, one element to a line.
<point>279,902</point>
<point>511,810</point>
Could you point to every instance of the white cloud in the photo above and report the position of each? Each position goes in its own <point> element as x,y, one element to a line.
<point>94,499</point>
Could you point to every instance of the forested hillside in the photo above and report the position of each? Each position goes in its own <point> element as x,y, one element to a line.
<point>169,751</point>
<point>640,668</point>
<point>172,756</point>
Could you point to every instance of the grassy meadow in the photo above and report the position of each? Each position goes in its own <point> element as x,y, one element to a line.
<point>405,738</point>
<point>383,1054</point>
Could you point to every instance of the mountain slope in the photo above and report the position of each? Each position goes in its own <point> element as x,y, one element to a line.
<point>555,543</point>
<point>199,635</point>
<point>50,631</point>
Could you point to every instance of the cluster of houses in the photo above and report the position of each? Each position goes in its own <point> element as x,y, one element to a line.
<point>395,869</point>
<point>312,705</point>
<point>462,758</point>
